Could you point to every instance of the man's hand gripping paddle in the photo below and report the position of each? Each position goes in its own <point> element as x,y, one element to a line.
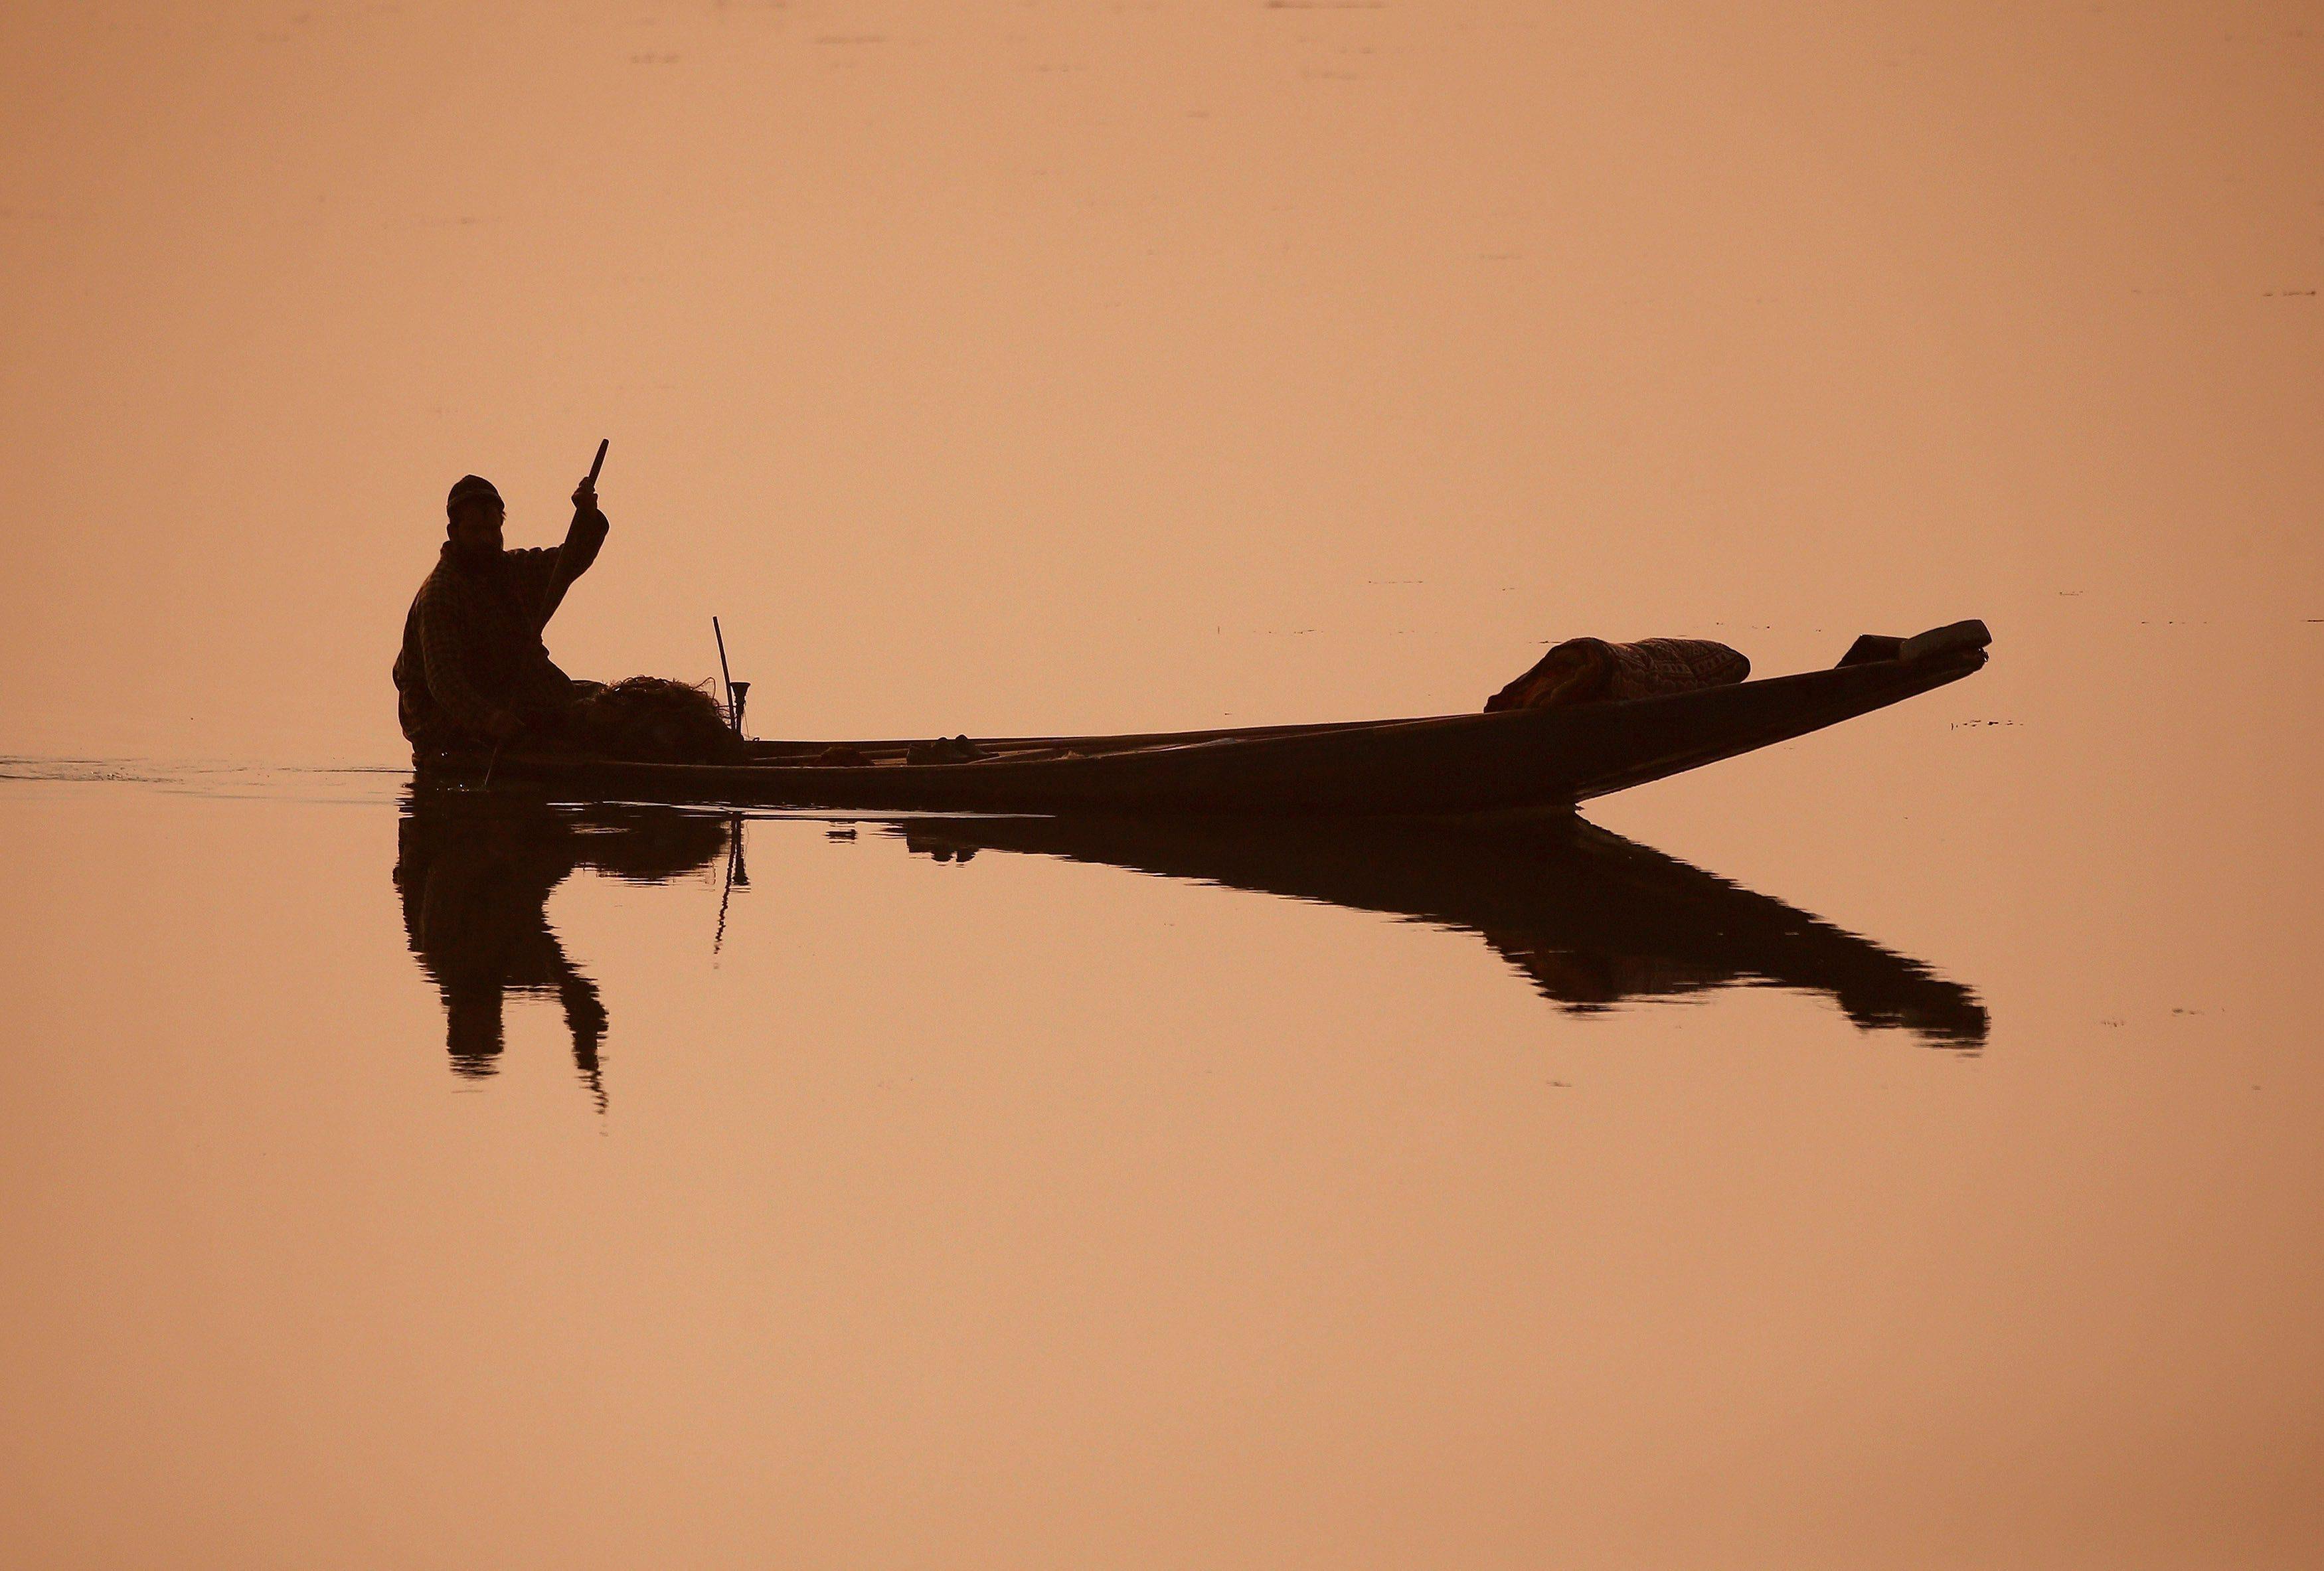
<point>560,576</point>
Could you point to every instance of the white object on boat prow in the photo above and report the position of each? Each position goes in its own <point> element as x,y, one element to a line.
<point>1947,640</point>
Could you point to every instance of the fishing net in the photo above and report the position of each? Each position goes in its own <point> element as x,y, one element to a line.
<point>655,720</point>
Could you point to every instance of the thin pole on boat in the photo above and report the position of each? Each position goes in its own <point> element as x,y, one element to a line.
<point>733,719</point>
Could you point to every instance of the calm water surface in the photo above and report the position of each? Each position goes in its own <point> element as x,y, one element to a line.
<point>1897,1147</point>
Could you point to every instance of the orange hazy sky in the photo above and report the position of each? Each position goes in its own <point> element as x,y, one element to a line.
<point>1034,367</point>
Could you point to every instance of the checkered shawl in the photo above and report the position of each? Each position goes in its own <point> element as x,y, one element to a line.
<point>471,649</point>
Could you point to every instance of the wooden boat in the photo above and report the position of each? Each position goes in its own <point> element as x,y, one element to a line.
<point>1515,762</point>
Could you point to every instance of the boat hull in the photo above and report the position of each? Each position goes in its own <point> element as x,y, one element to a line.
<point>1509,763</point>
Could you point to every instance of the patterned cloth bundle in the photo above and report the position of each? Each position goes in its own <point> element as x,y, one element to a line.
<point>1588,670</point>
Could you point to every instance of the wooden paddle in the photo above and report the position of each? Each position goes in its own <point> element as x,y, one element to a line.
<point>561,577</point>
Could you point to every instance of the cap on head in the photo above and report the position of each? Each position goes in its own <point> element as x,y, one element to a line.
<point>471,488</point>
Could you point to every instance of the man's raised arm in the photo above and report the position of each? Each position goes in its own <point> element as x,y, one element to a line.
<point>583,541</point>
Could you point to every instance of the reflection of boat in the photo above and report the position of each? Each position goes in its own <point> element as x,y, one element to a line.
<point>1512,761</point>
<point>475,873</point>
<point>1591,918</point>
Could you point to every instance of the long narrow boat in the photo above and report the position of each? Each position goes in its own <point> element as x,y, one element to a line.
<point>1510,763</point>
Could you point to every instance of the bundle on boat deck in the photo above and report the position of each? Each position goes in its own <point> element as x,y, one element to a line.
<point>655,720</point>
<point>1588,670</point>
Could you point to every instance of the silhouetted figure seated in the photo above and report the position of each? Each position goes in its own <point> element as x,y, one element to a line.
<point>476,874</point>
<point>473,672</point>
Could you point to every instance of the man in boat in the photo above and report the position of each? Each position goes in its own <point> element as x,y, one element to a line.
<point>473,672</point>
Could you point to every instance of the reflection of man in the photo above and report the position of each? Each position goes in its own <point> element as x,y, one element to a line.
<point>475,909</point>
<point>475,875</point>
<point>472,671</point>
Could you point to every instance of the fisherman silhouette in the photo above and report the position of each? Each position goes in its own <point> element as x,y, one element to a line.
<point>472,671</point>
<point>474,874</point>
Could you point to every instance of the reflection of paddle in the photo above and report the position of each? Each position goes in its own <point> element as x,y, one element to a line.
<point>562,575</point>
<point>736,877</point>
